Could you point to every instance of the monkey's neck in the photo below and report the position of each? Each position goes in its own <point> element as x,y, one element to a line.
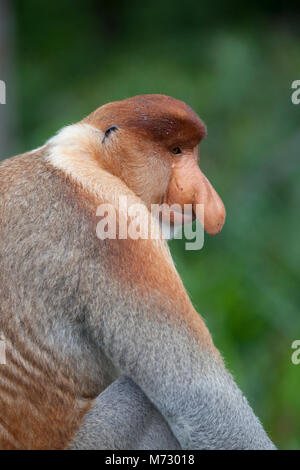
<point>75,152</point>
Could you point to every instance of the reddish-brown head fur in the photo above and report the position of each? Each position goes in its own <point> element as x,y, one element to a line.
<point>157,117</point>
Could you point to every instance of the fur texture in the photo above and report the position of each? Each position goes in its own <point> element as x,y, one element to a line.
<point>75,311</point>
<point>123,418</point>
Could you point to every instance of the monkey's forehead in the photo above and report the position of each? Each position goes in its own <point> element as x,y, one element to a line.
<point>158,117</point>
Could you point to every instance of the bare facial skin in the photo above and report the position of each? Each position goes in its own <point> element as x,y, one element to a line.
<point>188,185</point>
<point>76,312</point>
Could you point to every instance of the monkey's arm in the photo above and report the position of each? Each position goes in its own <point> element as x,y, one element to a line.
<point>124,419</point>
<point>150,330</point>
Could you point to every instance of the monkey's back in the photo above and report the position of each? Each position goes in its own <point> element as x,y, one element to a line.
<point>52,370</point>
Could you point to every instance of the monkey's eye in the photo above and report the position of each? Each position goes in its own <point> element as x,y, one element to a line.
<point>176,150</point>
<point>110,130</point>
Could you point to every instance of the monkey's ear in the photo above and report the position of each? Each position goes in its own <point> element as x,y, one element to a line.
<point>109,131</point>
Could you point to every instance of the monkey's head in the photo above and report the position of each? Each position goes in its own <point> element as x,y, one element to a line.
<point>151,143</point>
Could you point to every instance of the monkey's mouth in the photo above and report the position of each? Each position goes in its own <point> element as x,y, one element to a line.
<point>175,217</point>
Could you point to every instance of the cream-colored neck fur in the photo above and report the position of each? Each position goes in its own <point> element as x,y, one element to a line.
<point>74,151</point>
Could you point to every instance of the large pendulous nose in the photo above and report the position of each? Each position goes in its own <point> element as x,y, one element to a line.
<point>188,185</point>
<point>214,210</point>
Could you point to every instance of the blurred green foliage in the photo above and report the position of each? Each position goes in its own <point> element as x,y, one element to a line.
<point>234,65</point>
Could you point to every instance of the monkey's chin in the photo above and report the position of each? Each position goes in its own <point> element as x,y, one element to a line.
<point>182,218</point>
<point>172,223</point>
<point>176,218</point>
<point>168,231</point>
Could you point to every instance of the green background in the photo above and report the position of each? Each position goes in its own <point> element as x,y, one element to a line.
<point>234,65</point>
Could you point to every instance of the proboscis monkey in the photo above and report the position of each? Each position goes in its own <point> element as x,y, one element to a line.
<point>76,311</point>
